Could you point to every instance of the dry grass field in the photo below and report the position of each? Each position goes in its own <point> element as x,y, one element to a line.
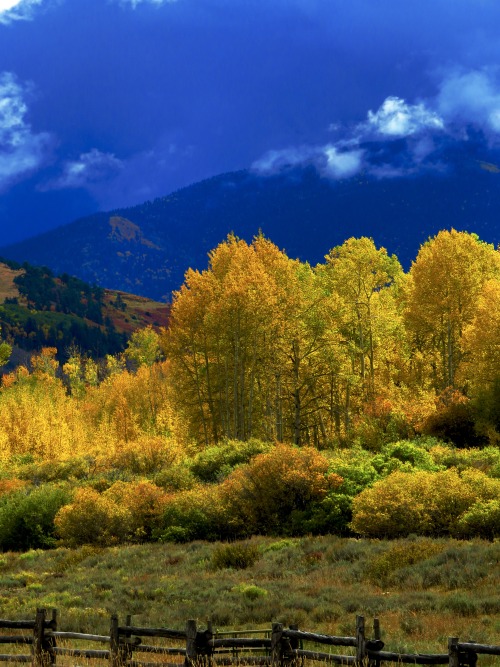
<point>8,289</point>
<point>422,590</point>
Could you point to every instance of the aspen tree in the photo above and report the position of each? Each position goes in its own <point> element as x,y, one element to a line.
<point>443,286</point>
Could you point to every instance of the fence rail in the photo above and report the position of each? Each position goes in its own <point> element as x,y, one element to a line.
<point>277,647</point>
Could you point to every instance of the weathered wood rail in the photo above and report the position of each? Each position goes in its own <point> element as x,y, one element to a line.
<point>277,647</point>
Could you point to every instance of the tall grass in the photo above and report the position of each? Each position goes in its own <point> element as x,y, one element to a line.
<point>422,590</point>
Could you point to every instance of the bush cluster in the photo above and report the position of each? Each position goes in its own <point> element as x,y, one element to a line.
<point>236,490</point>
<point>429,503</point>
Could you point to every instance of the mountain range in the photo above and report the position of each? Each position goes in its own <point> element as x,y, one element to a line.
<point>146,249</point>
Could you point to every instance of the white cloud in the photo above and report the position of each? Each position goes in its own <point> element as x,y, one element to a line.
<point>275,160</point>
<point>471,97</point>
<point>21,150</point>
<point>397,118</point>
<point>90,168</point>
<point>14,10</point>
<point>342,164</point>
<point>330,160</point>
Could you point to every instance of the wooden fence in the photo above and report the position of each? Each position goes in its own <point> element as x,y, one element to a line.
<point>277,647</point>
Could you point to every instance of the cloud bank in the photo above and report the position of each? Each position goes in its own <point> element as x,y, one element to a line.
<point>402,138</point>
<point>396,118</point>
<point>15,10</point>
<point>22,151</point>
<point>472,97</point>
<point>90,168</point>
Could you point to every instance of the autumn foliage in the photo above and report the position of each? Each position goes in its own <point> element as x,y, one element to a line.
<point>282,399</point>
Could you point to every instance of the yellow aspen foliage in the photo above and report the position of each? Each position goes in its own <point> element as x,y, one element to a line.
<point>441,293</point>
<point>128,405</point>
<point>224,341</point>
<point>37,417</point>
<point>45,364</point>
<point>73,370</point>
<point>363,282</point>
<point>361,275</point>
<point>481,341</point>
<point>144,347</point>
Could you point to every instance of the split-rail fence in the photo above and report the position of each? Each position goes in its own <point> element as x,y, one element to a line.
<point>277,647</point>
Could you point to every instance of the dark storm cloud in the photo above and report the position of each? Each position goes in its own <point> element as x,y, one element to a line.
<point>22,151</point>
<point>140,97</point>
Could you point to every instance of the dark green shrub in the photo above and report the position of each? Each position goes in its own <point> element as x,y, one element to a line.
<point>236,555</point>
<point>461,604</point>
<point>176,534</point>
<point>486,460</point>
<point>213,464</point>
<point>27,517</point>
<point>55,471</point>
<point>330,516</point>
<point>175,478</point>
<point>404,452</point>
<point>194,514</point>
<point>454,421</point>
<point>481,520</point>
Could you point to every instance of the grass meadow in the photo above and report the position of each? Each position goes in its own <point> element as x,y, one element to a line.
<point>423,590</point>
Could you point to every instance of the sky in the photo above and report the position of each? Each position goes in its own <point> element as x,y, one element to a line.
<point>109,103</point>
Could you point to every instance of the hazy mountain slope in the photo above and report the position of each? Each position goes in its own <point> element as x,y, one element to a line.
<point>146,249</point>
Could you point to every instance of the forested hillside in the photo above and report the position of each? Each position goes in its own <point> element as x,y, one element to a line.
<point>40,309</point>
<point>350,398</point>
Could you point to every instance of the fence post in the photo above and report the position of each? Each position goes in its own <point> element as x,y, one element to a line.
<point>51,641</point>
<point>376,635</point>
<point>191,650</point>
<point>117,651</point>
<point>41,648</point>
<point>360,639</point>
<point>453,652</point>
<point>276,645</point>
<point>293,644</point>
<point>208,636</point>
<point>127,649</point>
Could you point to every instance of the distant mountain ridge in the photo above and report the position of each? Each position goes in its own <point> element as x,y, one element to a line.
<point>146,249</point>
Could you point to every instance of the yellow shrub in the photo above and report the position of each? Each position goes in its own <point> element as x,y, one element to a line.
<point>144,456</point>
<point>419,502</point>
<point>144,501</point>
<point>92,518</point>
<point>269,488</point>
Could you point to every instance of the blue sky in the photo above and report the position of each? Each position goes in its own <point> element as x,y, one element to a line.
<point>108,103</point>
